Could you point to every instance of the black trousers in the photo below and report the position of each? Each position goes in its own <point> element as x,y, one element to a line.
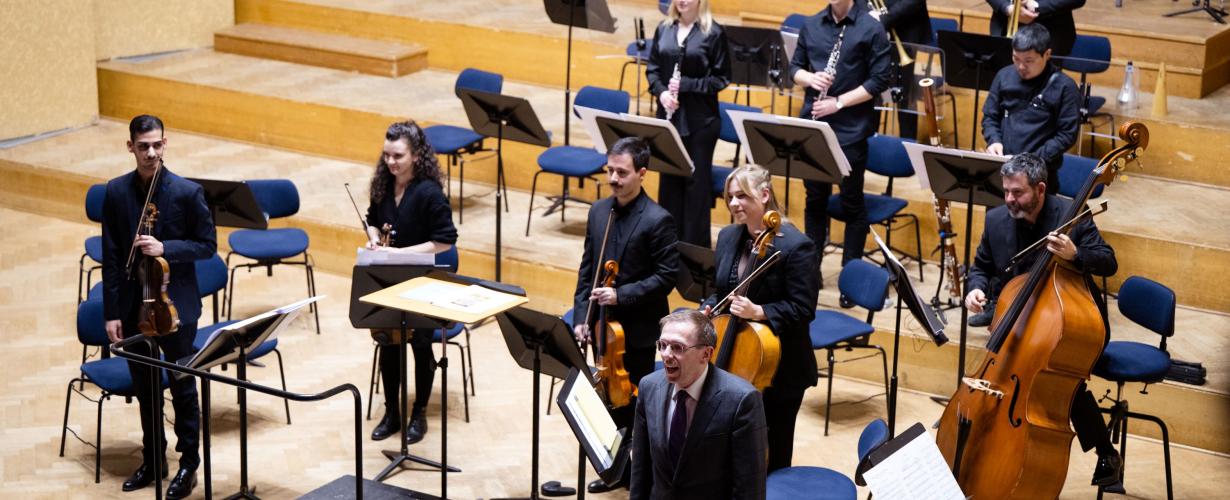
<point>184,399</point>
<point>690,199</point>
<point>1087,420</point>
<point>424,372</point>
<point>816,216</point>
<point>781,408</point>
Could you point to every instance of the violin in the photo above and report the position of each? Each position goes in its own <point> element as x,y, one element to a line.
<point>157,315</point>
<point>609,349</point>
<point>749,349</point>
<point>387,233</point>
<point>1005,432</point>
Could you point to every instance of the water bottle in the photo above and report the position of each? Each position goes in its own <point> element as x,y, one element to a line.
<point>1128,92</point>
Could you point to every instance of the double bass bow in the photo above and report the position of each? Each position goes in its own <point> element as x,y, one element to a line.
<point>612,378</point>
<point>1005,432</point>
<point>157,315</point>
<point>749,349</point>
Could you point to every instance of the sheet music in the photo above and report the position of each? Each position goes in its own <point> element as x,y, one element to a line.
<point>916,471</point>
<point>378,258</point>
<point>469,299</point>
<point>594,421</point>
<point>589,122</point>
<point>211,344</point>
<point>915,152</point>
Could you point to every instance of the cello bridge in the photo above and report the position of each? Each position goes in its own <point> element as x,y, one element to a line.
<point>981,385</point>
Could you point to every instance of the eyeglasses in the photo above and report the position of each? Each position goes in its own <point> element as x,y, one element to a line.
<point>675,347</point>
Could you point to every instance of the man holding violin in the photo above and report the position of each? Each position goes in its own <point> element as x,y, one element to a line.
<point>641,239</point>
<point>182,234</point>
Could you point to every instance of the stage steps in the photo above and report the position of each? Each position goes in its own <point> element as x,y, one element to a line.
<point>347,53</point>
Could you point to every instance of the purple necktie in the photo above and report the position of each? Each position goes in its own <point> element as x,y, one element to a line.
<point>679,426</point>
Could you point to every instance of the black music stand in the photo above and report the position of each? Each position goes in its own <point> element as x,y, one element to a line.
<point>971,61</point>
<point>564,12</point>
<point>965,177</point>
<point>497,115</point>
<point>232,204</point>
<point>696,276</point>
<point>754,53</point>
<point>370,279</point>
<point>792,147</point>
<point>611,472</point>
<point>919,309</point>
<point>542,343</point>
<point>1218,15</point>
<point>667,154</point>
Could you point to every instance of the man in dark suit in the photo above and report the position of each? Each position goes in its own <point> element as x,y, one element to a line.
<point>699,431</point>
<point>909,20</point>
<point>183,234</point>
<point>642,240</point>
<point>1055,15</point>
<point>1028,215</point>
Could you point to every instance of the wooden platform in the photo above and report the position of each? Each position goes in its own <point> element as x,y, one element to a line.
<point>346,53</point>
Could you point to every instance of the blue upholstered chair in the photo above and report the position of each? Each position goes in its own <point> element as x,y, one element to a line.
<point>211,277</point>
<point>866,285</point>
<point>269,247</point>
<point>109,374</point>
<point>1151,305</point>
<point>93,245</point>
<point>1090,55</point>
<point>728,132</point>
<point>1073,173</point>
<point>885,156</point>
<point>793,22</point>
<point>573,161</point>
<point>819,483</point>
<point>453,141</point>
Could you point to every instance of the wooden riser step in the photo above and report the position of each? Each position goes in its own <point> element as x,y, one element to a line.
<point>347,53</point>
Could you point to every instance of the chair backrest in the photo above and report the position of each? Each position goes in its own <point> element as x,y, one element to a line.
<point>728,132</point>
<point>91,327</point>
<point>874,434</point>
<point>864,283</point>
<point>1090,54</point>
<point>794,22</point>
<point>1074,172</point>
<point>448,258</point>
<point>664,6</point>
<point>277,197</point>
<point>567,317</point>
<point>477,79</point>
<point>210,275</point>
<point>1148,303</point>
<point>886,156</point>
<point>939,24</point>
<point>614,101</point>
<point>94,202</point>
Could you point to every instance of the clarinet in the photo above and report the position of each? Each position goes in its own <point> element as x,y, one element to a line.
<point>830,67</point>
<point>675,75</point>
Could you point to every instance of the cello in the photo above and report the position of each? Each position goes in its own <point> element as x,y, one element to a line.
<point>749,349</point>
<point>612,378</point>
<point>1005,432</point>
<point>157,315</point>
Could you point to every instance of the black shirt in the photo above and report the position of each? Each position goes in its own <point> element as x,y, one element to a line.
<point>704,70</point>
<point>1040,115</point>
<point>423,215</point>
<point>864,61</point>
<point>1055,15</point>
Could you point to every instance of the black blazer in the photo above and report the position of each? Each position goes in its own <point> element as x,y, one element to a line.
<point>185,228</point>
<point>910,19</point>
<point>724,454</point>
<point>423,215</point>
<point>1055,15</point>
<point>787,292</point>
<point>703,72</point>
<point>642,240</point>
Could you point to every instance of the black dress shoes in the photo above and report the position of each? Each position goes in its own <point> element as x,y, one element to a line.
<point>142,478</point>
<point>599,486</point>
<point>182,485</point>
<point>387,427</point>
<point>417,429</point>
<point>1107,473</point>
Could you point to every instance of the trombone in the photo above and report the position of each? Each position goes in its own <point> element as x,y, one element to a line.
<point>1014,20</point>
<point>902,56</point>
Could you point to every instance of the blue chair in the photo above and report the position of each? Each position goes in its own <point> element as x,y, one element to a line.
<point>453,141</point>
<point>819,483</point>
<point>576,162</point>
<point>1090,55</point>
<point>1151,305</point>
<point>203,333</point>
<point>211,281</point>
<point>1074,172</point>
<point>109,374</point>
<point>867,285</point>
<point>728,132</point>
<point>269,247</point>
<point>93,245</point>
<point>885,156</point>
<point>794,22</point>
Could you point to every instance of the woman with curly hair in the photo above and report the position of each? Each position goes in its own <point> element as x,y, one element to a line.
<point>407,195</point>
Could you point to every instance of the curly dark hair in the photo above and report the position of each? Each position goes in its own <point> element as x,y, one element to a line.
<point>426,166</point>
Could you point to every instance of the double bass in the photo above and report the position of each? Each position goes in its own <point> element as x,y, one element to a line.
<point>749,349</point>
<point>1005,432</point>
<point>613,381</point>
<point>157,315</point>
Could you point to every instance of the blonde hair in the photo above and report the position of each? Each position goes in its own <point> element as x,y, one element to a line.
<point>752,179</point>
<point>704,16</point>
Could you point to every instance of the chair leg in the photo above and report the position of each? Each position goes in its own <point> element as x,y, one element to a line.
<point>470,355</point>
<point>465,380</point>
<point>81,276</point>
<point>1165,447</point>
<point>918,246</point>
<point>828,397</point>
<point>371,385</point>
<point>282,373</point>
<point>68,398</point>
<point>230,285</point>
<point>310,273</point>
<point>98,441</point>
<point>529,214</point>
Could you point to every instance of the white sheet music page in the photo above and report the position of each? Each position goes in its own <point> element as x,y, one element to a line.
<point>916,471</point>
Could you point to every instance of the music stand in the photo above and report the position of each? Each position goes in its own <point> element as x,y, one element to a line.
<point>232,204</point>
<point>497,115</point>
<point>971,62</point>
<point>586,414</point>
<point>696,276</point>
<point>564,12</point>
<point>754,52</point>
<point>962,176</point>
<point>791,147</point>
<point>1218,15</point>
<point>919,309</point>
<point>667,155</point>
<point>541,343</point>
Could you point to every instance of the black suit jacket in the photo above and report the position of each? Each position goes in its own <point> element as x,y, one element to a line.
<point>787,292</point>
<point>1055,15</point>
<point>185,228</point>
<point>724,454</point>
<point>648,263</point>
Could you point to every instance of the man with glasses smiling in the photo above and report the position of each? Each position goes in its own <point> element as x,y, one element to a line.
<point>699,432</point>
